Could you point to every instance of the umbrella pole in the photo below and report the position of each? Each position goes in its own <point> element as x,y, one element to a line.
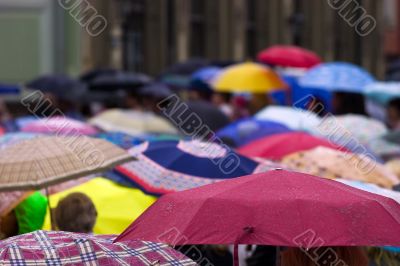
<point>235,255</point>
<point>49,206</point>
<point>278,256</point>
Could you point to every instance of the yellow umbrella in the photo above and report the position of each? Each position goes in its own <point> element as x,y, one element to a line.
<point>117,206</point>
<point>248,77</point>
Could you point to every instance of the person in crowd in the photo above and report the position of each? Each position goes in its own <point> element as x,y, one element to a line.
<point>393,114</point>
<point>387,256</point>
<point>348,103</point>
<point>349,256</point>
<point>223,102</point>
<point>199,90</point>
<point>75,213</point>
<point>258,101</point>
<point>317,106</point>
<point>26,217</point>
<point>61,93</point>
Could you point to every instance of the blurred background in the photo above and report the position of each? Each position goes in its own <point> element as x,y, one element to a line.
<point>40,36</point>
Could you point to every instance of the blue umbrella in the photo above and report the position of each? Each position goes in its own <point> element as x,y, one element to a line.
<point>206,74</point>
<point>168,166</point>
<point>383,92</point>
<point>123,140</point>
<point>337,76</point>
<point>248,129</point>
<point>201,79</point>
<point>9,89</point>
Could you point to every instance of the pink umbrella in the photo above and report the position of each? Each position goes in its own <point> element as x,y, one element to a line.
<point>289,56</point>
<point>277,208</point>
<point>59,125</point>
<point>277,146</point>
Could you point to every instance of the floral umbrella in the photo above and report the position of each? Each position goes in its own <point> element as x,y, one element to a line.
<point>329,163</point>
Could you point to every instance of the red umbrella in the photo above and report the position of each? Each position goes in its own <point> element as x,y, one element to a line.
<point>277,208</point>
<point>277,146</point>
<point>288,56</point>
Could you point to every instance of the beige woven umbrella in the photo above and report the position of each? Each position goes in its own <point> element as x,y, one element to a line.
<point>132,122</point>
<point>40,162</point>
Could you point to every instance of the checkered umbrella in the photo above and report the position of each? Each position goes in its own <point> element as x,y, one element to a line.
<point>43,161</point>
<point>61,248</point>
<point>169,166</point>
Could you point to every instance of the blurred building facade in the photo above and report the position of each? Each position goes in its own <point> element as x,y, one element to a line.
<point>148,35</point>
<point>40,36</point>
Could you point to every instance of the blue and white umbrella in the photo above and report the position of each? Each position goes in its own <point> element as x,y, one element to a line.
<point>382,92</point>
<point>337,76</point>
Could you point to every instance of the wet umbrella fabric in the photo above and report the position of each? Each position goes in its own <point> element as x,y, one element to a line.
<point>277,208</point>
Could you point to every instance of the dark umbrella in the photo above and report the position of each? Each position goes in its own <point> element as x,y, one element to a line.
<point>62,86</point>
<point>156,90</point>
<point>89,76</point>
<point>210,115</point>
<point>179,75</point>
<point>119,80</point>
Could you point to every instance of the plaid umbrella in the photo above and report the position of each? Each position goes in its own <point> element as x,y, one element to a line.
<point>132,122</point>
<point>63,248</point>
<point>43,161</point>
<point>170,166</point>
<point>60,126</point>
<point>332,164</point>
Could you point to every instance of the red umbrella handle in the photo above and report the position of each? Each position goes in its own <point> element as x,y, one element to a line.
<point>246,230</point>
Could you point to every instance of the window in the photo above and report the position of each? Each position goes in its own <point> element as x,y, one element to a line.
<point>251,34</point>
<point>197,28</point>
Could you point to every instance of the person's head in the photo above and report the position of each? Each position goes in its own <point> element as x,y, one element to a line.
<point>8,225</point>
<point>393,113</point>
<point>351,256</point>
<point>348,103</point>
<point>133,101</point>
<point>199,90</point>
<point>220,98</point>
<point>75,213</point>
<point>317,106</point>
